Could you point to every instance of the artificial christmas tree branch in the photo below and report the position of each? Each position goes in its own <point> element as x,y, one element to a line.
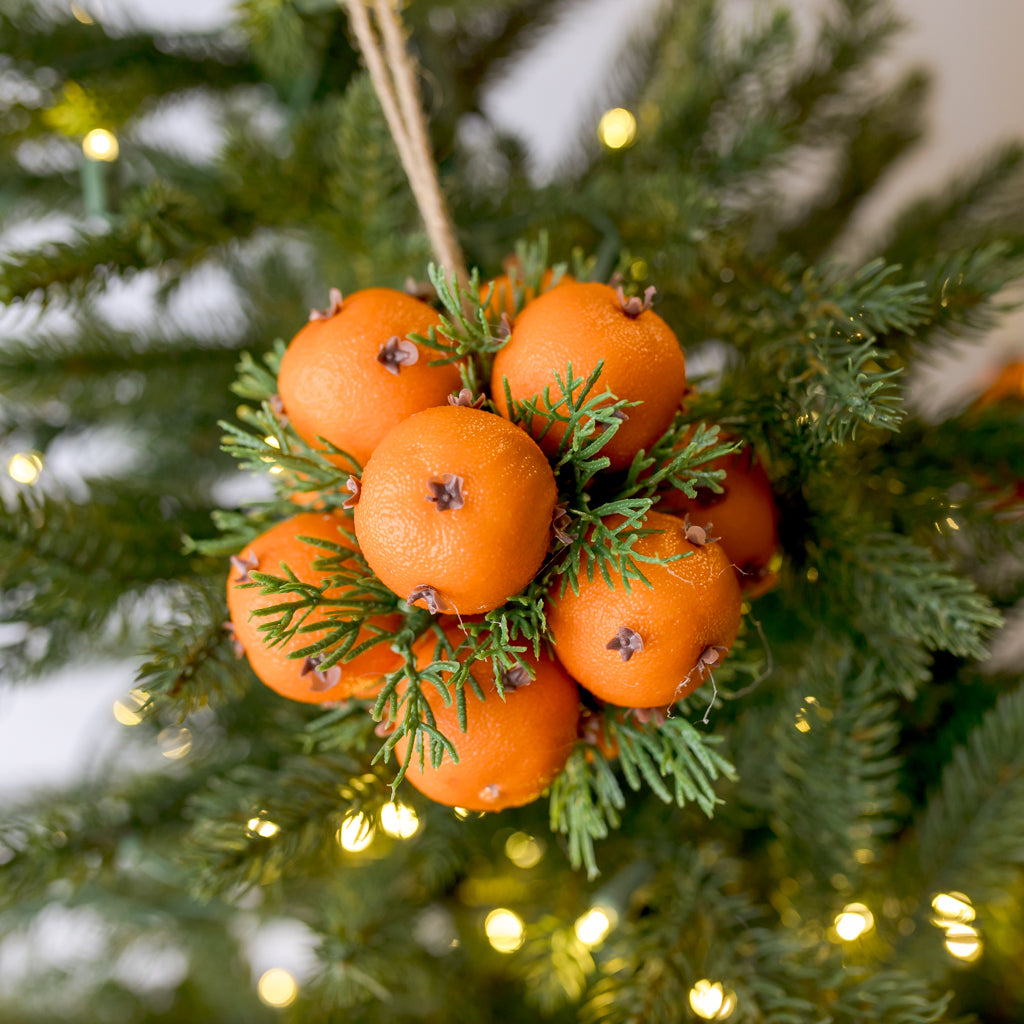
<point>394,79</point>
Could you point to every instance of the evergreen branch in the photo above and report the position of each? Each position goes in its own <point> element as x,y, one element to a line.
<point>898,589</point>
<point>344,602</point>
<point>678,764</point>
<point>159,223</point>
<point>585,802</point>
<point>893,996</point>
<point>272,447</point>
<point>306,798</point>
<point>962,215</point>
<point>73,576</point>
<point>674,751</point>
<point>190,664</point>
<point>971,834</point>
<point>679,460</point>
<point>585,421</point>
<point>603,541</point>
<point>835,777</point>
<point>870,138</point>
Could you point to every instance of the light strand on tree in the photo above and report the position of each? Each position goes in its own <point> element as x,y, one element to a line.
<point>394,80</point>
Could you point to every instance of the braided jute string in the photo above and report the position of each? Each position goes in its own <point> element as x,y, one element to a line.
<point>394,80</point>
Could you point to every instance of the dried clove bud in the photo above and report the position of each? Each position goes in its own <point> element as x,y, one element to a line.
<point>431,595</point>
<point>321,680</point>
<point>397,352</point>
<point>465,397</point>
<point>560,520</point>
<point>711,655</point>
<point>697,535</point>
<point>656,716</point>
<point>504,328</point>
<point>244,563</point>
<point>335,297</point>
<point>626,641</point>
<point>354,486</point>
<point>515,678</point>
<point>446,493</point>
<point>634,305</point>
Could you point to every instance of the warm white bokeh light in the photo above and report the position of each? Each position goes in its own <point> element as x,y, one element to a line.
<point>963,942</point>
<point>25,467</point>
<point>952,907</point>
<point>617,128</point>
<point>100,144</point>
<point>356,832</point>
<point>854,921</point>
<point>277,987</point>
<point>523,850</point>
<point>262,827</point>
<point>594,925</point>
<point>399,820</point>
<point>505,930</point>
<point>126,710</point>
<point>708,999</point>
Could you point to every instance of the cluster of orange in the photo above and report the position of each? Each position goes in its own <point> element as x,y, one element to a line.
<point>456,511</point>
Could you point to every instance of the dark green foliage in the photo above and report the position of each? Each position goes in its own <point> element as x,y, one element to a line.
<point>853,752</point>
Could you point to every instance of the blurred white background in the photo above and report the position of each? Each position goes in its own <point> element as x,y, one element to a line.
<point>54,732</point>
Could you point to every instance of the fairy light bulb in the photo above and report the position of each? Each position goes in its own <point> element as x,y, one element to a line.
<point>854,921</point>
<point>356,832</point>
<point>593,927</point>
<point>617,128</point>
<point>952,908</point>
<point>25,467</point>
<point>710,1000</point>
<point>262,827</point>
<point>523,850</point>
<point>963,942</point>
<point>399,820</point>
<point>101,144</point>
<point>128,709</point>
<point>277,988</point>
<point>505,930</point>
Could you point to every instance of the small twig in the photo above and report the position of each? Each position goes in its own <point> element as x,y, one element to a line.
<point>394,80</point>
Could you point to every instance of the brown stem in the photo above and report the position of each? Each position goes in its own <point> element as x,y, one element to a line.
<point>394,80</point>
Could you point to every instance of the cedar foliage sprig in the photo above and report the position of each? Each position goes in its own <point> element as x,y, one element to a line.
<point>340,605</point>
<point>271,445</point>
<point>586,798</point>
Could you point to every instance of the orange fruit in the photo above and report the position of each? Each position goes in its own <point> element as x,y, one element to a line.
<point>582,324</point>
<point>352,373</point>
<point>513,748</point>
<point>650,646</point>
<point>503,296</point>
<point>455,509</point>
<point>743,518</point>
<point>1008,383</point>
<point>297,678</point>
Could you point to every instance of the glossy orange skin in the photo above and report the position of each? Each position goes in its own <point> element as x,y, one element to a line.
<point>332,385</point>
<point>692,604</point>
<point>512,749</point>
<point>743,518</point>
<point>477,556</point>
<point>280,546</point>
<point>584,323</point>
